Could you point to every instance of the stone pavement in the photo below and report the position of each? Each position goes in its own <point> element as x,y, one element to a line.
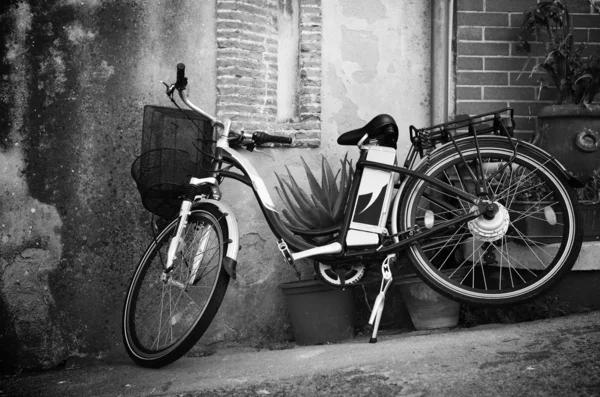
<point>557,357</point>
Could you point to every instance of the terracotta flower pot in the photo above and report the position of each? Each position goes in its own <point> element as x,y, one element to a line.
<point>427,308</point>
<point>319,313</point>
<point>571,133</point>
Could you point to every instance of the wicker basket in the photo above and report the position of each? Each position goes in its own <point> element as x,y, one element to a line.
<point>170,142</point>
<point>160,175</point>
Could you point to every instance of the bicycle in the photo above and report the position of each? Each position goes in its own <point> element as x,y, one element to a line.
<point>454,212</point>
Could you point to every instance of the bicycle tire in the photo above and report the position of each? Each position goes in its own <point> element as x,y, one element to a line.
<point>461,263</point>
<point>148,294</point>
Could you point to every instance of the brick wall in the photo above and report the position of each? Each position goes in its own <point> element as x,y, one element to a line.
<point>247,68</point>
<point>488,65</point>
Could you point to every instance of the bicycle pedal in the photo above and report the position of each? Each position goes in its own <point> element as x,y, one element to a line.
<point>285,251</point>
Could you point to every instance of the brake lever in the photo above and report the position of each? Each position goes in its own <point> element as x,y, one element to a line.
<point>170,89</point>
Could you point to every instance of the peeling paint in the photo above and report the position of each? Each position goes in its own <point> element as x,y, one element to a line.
<point>366,56</point>
<point>77,34</point>
<point>381,54</point>
<point>30,237</point>
<point>82,3</point>
<point>16,92</point>
<point>371,11</point>
<point>54,69</point>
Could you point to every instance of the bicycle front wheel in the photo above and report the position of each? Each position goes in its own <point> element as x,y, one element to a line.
<point>533,239</point>
<point>165,314</point>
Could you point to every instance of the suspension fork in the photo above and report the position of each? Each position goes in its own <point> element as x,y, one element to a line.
<point>184,213</point>
<point>199,253</point>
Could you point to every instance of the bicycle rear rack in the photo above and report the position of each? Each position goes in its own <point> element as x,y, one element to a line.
<point>425,140</point>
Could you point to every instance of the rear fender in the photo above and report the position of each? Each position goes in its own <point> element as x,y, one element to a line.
<point>573,181</point>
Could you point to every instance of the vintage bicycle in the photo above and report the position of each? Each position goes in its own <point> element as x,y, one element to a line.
<point>467,208</point>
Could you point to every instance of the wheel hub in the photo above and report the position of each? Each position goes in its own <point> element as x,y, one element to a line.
<point>490,228</point>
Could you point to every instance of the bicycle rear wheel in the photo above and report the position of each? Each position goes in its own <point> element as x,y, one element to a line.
<point>165,314</point>
<point>532,241</point>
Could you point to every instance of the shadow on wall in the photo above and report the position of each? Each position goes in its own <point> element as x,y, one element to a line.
<point>76,77</point>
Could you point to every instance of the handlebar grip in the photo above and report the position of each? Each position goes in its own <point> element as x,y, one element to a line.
<point>261,137</point>
<point>181,80</point>
<point>279,139</point>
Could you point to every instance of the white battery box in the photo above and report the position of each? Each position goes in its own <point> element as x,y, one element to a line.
<point>373,200</point>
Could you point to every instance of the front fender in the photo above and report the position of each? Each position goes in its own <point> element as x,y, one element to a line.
<point>233,233</point>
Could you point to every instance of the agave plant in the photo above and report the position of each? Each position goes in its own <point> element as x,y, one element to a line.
<point>325,204</point>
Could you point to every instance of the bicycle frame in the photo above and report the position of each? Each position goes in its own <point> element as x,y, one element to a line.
<point>287,236</point>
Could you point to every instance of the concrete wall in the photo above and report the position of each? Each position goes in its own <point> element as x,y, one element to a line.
<point>376,59</point>
<point>76,75</point>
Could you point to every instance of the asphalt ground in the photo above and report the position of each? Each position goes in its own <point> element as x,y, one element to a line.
<point>556,357</point>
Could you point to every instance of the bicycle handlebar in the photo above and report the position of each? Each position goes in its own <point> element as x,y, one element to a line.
<point>262,137</point>
<point>257,138</point>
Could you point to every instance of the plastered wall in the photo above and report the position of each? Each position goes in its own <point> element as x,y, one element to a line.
<point>75,78</point>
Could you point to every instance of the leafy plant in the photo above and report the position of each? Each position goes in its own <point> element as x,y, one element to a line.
<point>542,308</point>
<point>326,203</point>
<point>519,184</point>
<point>590,193</point>
<point>575,75</point>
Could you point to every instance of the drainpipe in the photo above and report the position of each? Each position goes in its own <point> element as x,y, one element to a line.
<point>442,94</point>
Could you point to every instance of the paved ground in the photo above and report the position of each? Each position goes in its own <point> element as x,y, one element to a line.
<point>559,357</point>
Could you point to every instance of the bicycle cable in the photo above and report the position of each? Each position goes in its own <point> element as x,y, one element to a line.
<point>202,140</point>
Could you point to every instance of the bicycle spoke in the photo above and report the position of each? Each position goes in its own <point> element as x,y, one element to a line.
<point>515,264</point>
<point>536,244</point>
<point>166,307</point>
<point>510,259</point>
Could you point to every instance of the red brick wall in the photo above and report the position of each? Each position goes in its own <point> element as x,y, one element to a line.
<point>247,67</point>
<point>487,64</point>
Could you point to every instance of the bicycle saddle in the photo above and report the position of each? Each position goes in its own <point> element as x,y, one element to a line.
<point>383,128</point>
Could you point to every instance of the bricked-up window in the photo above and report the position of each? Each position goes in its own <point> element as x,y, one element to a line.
<point>249,72</point>
<point>288,60</point>
<point>488,64</point>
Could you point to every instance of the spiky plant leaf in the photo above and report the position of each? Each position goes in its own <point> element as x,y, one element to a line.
<point>292,220</point>
<point>316,189</point>
<point>338,208</point>
<point>331,184</point>
<point>301,198</point>
<point>306,218</point>
<point>325,206</point>
<point>283,193</point>
<point>302,212</point>
<point>325,217</point>
<point>292,211</point>
<point>325,186</point>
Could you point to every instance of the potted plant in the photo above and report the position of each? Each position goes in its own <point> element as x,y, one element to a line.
<point>589,200</point>
<point>319,313</point>
<point>570,128</point>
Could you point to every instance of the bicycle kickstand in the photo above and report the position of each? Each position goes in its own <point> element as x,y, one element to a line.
<point>386,281</point>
